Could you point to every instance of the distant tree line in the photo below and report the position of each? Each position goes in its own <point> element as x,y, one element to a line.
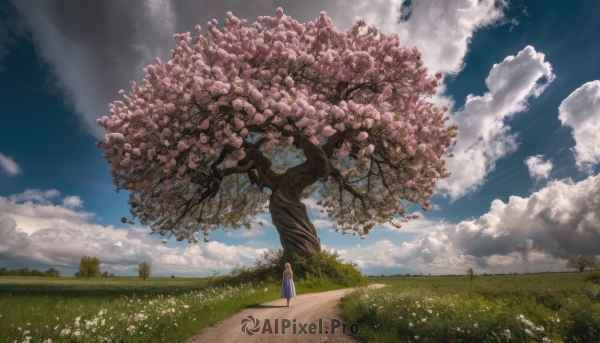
<point>26,272</point>
<point>90,267</point>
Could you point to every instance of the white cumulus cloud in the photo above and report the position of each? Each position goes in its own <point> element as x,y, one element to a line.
<point>484,136</point>
<point>34,231</point>
<point>72,201</point>
<point>533,234</point>
<point>538,168</point>
<point>581,112</point>
<point>9,166</point>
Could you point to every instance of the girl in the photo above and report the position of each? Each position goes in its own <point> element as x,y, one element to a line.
<point>287,285</point>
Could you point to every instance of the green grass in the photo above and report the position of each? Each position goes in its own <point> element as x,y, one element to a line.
<point>159,310</point>
<point>556,307</point>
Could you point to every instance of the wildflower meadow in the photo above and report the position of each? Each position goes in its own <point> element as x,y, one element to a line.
<point>117,310</point>
<point>553,307</point>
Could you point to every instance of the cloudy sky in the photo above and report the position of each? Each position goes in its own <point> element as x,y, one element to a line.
<point>522,79</point>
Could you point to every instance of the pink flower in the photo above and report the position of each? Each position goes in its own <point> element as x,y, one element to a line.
<point>258,118</point>
<point>386,119</point>
<point>362,136</point>
<point>237,104</point>
<point>240,154</point>
<point>256,95</point>
<point>369,149</point>
<point>205,124</point>
<point>328,131</point>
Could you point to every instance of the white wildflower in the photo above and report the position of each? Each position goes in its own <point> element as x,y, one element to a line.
<point>506,333</point>
<point>529,332</point>
<point>546,340</point>
<point>424,320</point>
<point>77,333</point>
<point>26,332</point>
<point>416,337</point>
<point>49,340</point>
<point>131,329</point>
<point>56,327</point>
<point>65,332</point>
<point>410,324</point>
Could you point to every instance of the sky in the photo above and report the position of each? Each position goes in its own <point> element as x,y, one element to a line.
<point>522,80</point>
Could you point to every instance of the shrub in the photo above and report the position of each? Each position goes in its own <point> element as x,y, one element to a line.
<point>317,271</point>
<point>144,270</point>
<point>52,272</point>
<point>593,277</point>
<point>36,272</point>
<point>89,267</point>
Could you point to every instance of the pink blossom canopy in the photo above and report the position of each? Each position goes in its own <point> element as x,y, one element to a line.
<point>212,131</point>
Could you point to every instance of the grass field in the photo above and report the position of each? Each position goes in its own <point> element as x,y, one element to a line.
<point>508,308</point>
<point>38,309</point>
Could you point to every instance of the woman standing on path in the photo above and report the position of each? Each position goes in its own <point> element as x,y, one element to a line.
<point>287,285</point>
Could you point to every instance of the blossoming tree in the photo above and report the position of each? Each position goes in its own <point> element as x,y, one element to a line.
<point>253,117</point>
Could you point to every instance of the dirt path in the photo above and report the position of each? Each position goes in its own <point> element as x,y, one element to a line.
<point>306,309</point>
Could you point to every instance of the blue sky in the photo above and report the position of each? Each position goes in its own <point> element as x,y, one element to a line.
<point>529,69</point>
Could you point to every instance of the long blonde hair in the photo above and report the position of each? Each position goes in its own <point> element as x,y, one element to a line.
<point>288,267</point>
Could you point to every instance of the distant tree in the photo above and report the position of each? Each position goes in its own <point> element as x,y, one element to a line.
<point>595,263</point>
<point>172,276</point>
<point>582,262</point>
<point>111,275</point>
<point>144,270</point>
<point>52,272</point>
<point>105,274</point>
<point>471,273</point>
<point>25,272</point>
<point>3,271</point>
<point>89,267</point>
<point>36,272</point>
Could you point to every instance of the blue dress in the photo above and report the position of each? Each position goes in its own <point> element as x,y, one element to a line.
<point>288,290</point>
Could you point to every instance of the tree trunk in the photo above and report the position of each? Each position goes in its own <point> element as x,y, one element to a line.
<point>296,232</point>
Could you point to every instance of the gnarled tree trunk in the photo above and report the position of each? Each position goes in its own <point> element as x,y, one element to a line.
<point>296,233</point>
